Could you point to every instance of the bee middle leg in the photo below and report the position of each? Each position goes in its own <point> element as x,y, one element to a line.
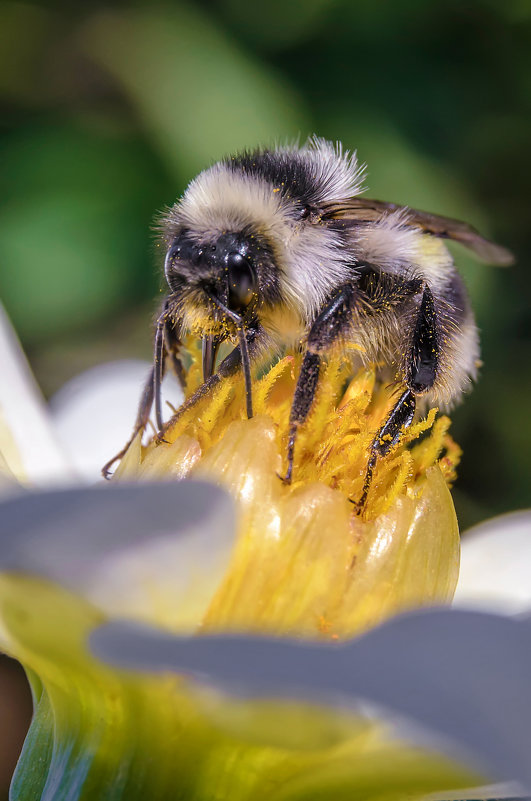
<point>331,323</point>
<point>372,292</point>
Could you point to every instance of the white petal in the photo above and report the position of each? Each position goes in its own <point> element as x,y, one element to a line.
<point>28,444</point>
<point>154,552</point>
<point>495,569</point>
<point>460,676</point>
<point>95,412</point>
<point>508,791</point>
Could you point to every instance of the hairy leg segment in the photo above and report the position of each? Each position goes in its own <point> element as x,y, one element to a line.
<point>420,374</point>
<point>336,321</point>
<point>166,349</point>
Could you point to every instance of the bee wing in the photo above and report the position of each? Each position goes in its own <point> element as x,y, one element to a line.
<point>359,210</point>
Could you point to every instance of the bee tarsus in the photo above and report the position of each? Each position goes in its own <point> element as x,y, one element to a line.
<point>386,438</point>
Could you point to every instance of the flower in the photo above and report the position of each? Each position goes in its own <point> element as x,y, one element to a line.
<point>305,562</point>
<point>219,717</point>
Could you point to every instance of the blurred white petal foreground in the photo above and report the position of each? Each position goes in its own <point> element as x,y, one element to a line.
<point>495,571</point>
<point>463,676</point>
<point>448,680</point>
<point>133,570</point>
<point>93,413</point>
<point>29,450</point>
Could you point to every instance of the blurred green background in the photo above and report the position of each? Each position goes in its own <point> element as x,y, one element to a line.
<point>109,110</point>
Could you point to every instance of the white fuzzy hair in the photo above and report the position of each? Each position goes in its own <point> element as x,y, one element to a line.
<point>458,365</point>
<point>314,259</point>
<point>398,247</point>
<point>336,170</point>
<point>309,258</point>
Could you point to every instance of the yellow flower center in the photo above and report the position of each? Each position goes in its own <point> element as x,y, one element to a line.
<point>305,562</point>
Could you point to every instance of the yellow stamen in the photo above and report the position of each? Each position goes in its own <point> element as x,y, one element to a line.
<point>305,563</point>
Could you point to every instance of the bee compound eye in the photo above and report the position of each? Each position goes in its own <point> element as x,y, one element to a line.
<point>241,280</point>
<point>173,255</point>
<point>183,249</point>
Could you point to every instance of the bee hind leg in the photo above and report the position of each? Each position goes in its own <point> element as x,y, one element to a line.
<point>387,437</point>
<point>420,374</point>
<point>335,321</point>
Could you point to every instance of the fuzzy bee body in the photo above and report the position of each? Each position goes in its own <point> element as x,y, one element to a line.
<point>276,247</point>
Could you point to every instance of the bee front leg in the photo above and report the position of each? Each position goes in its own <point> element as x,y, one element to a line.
<point>254,341</point>
<point>173,346</point>
<point>165,338</point>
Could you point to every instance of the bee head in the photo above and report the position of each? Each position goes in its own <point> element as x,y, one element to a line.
<point>234,269</point>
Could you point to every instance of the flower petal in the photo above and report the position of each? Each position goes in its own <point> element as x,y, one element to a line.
<point>28,446</point>
<point>154,552</point>
<point>103,733</point>
<point>94,412</point>
<point>464,675</point>
<point>496,565</point>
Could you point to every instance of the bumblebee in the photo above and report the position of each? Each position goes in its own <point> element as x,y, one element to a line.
<point>271,248</point>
